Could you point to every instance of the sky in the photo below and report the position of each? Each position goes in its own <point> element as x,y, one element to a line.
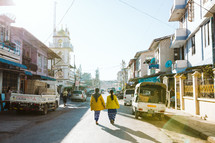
<point>103,32</point>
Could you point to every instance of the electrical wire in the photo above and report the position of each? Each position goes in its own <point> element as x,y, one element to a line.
<point>138,10</point>
<point>62,18</point>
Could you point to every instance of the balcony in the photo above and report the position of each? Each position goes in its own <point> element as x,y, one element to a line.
<point>8,49</point>
<point>179,38</point>
<point>179,66</point>
<point>209,8</point>
<point>178,10</point>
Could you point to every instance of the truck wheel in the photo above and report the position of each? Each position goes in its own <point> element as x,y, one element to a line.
<point>55,106</point>
<point>45,109</point>
<point>136,114</point>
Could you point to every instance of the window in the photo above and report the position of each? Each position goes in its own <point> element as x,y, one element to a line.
<point>39,60</point>
<point>2,33</point>
<point>207,34</point>
<point>193,45</point>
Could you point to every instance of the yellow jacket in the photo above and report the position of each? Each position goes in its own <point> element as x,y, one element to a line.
<point>112,104</point>
<point>99,105</point>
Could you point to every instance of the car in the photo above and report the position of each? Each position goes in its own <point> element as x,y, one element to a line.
<point>78,95</point>
<point>89,93</point>
<point>128,96</point>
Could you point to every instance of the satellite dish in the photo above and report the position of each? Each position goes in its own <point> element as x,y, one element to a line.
<point>152,61</point>
<point>168,64</point>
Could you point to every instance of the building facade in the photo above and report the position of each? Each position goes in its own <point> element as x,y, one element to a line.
<point>63,69</point>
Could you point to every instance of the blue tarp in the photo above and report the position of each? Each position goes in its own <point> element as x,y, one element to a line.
<point>48,78</point>
<point>12,63</point>
<point>28,73</point>
<point>2,98</point>
<point>149,79</point>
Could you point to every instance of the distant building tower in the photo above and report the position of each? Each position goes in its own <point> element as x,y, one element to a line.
<point>62,68</point>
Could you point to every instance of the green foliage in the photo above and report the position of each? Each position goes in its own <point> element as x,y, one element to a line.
<point>208,71</point>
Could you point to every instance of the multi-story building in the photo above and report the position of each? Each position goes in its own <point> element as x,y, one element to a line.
<point>162,55</point>
<point>143,59</point>
<point>193,43</point>
<point>10,56</point>
<point>34,55</point>
<point>63,69</point>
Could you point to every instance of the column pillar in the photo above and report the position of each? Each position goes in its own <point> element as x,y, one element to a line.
<point>166,82</point>
<point>181,80</point>
<point>18,83</point>
<point>195,76</point>
<point>214,79</point>
<point>176,77</point>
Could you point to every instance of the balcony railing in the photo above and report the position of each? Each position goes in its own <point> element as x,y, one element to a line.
<point>179,66</point>
<point>179,38</point>
<point>178,10</point>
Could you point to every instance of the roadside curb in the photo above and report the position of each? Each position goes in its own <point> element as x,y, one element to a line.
<point>202,135</point>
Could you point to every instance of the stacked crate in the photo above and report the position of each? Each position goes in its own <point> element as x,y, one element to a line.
<point>36,87</point>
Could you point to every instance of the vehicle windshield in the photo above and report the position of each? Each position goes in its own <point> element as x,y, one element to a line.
<point>77,92</point>
<point>129,92</point>
<point>152,94</point>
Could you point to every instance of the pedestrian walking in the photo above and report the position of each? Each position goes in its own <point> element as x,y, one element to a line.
<point>97,104</point>
<point>7,98</point>
<point>65,94</point>
<point>112,105</point>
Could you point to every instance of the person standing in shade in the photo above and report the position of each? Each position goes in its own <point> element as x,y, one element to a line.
<point>7,98</point>
<point>97,104</point>
<point>65,94</point>
<point>112,104</point>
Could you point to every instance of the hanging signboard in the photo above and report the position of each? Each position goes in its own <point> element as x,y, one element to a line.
<point>154,66</point>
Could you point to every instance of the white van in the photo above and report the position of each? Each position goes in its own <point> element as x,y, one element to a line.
<point>128,96</point>
<point>149,98</point>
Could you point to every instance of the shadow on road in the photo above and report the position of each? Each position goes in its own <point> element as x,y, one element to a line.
<point>124,133</point>
<point>52,127</point>
<point>167,124</point>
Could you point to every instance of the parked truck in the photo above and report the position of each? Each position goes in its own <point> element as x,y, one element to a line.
<point>39,96</point>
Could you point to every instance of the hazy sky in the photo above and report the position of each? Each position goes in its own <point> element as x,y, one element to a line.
<point>103,32</point>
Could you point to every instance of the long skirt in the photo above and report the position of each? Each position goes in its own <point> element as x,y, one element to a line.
<point>112,114</point>
<point>96,115</point>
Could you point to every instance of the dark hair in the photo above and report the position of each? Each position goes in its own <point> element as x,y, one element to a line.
<point>8,89</point>
<point>111,92</point>
<point>97,90</point>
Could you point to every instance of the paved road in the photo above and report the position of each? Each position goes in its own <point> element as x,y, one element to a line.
<point>75,124</point>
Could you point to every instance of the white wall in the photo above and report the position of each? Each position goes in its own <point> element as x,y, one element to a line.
<point>144,67</point>
<point>206,108</point>
<point>189,106</point>
<point>165,53</point>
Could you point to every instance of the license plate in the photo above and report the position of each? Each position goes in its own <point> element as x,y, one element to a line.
<point>149,115</point>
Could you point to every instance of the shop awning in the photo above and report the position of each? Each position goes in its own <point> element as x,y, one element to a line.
<point>12,63</point>
<point>149,79</point>
<point>48,78</point>
<point>28,73</point>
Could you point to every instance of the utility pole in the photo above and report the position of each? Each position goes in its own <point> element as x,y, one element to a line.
<point>74,74</point>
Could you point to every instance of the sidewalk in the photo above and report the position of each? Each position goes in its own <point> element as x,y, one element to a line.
<point>205,129</point>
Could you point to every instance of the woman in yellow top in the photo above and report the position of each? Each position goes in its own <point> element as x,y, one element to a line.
<point>112,104</point>
<point>97,104</point>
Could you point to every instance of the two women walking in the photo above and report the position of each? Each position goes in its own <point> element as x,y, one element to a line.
<point>97,104</point>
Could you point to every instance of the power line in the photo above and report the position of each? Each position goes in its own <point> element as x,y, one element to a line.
<point>62,18</point>
<point>145,13</point>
